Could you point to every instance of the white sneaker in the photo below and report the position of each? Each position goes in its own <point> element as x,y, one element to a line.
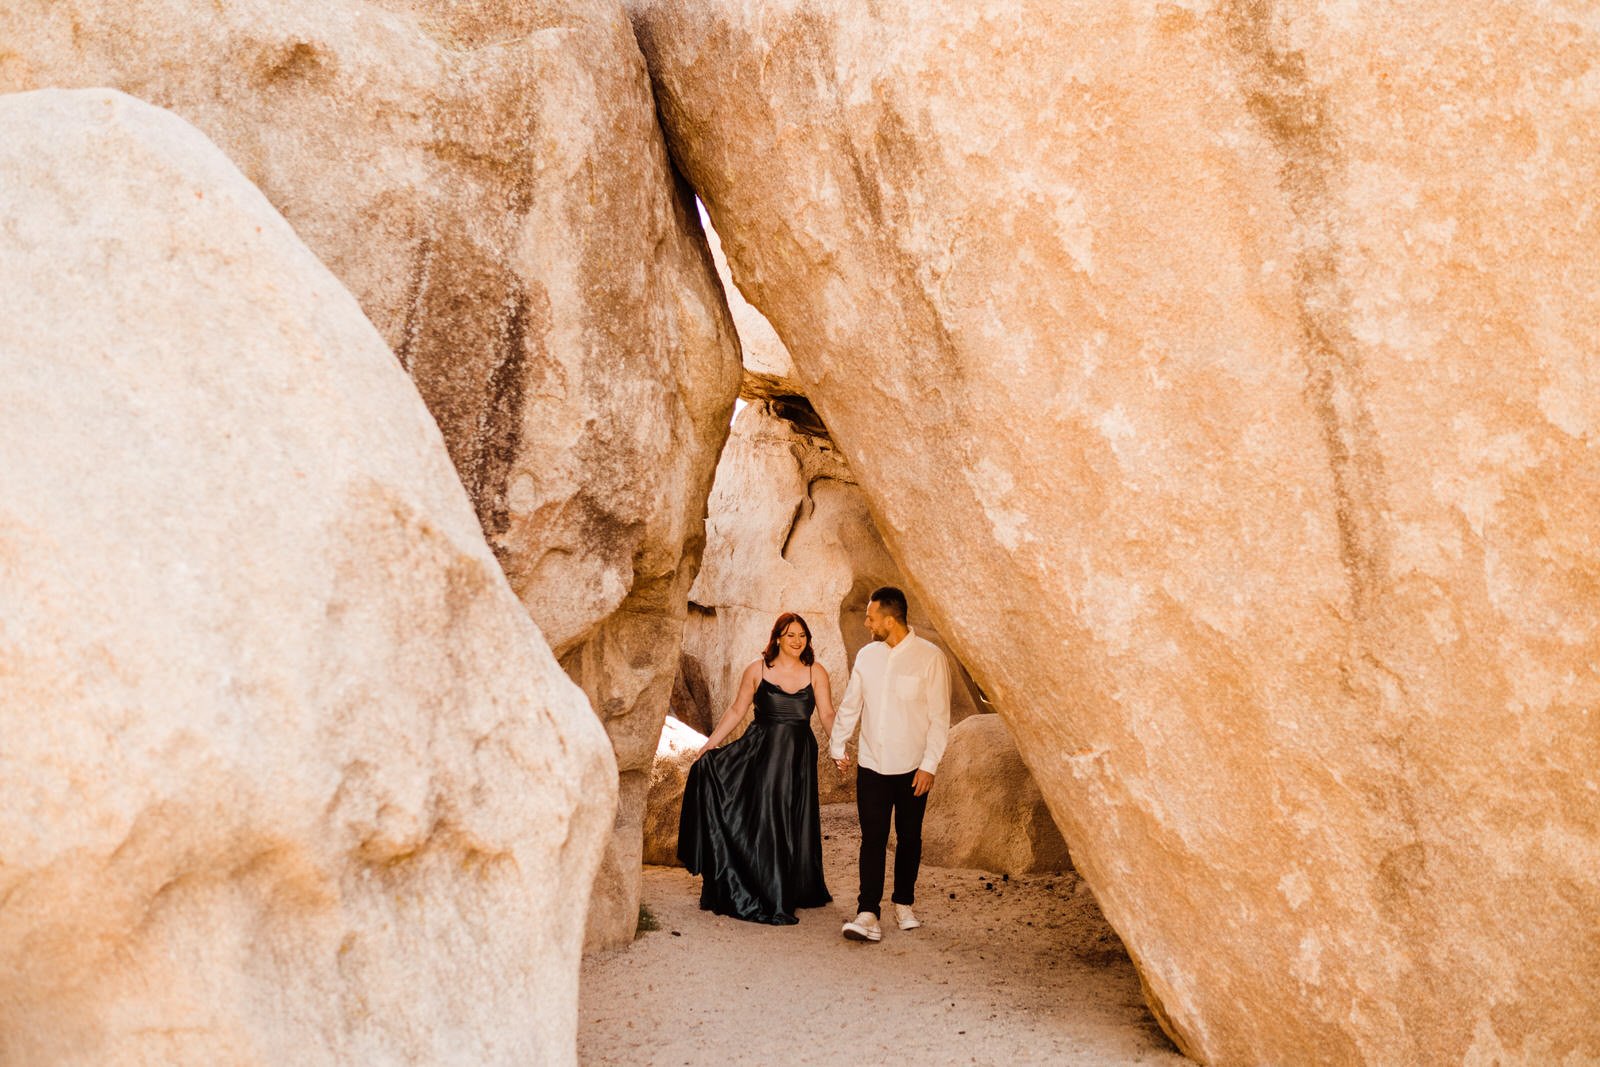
<point>863,928</point>
<point>903,916</point>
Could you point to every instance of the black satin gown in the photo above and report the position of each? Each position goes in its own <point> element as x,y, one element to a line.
<point>750,823</point>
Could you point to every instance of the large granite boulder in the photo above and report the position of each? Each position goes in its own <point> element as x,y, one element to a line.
<point>789,530</point>
<point>488,179</point>
<point>288,775</point>
<point>1224,374</point>
<point>985,811</point>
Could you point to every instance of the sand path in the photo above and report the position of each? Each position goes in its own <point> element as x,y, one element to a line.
<point>1024,972</point>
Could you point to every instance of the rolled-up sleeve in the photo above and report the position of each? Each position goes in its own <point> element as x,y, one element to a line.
<point>938,713</point>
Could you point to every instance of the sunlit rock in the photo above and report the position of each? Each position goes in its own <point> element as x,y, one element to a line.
<point>1225,375</point>
<point>768,370</point>
<point>287,774</point>
<point>668,776</point>
<point>985,810</point>
<point>489,181</point>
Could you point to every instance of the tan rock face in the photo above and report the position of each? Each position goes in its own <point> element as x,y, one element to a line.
<point>1258,340</point>
<point>668,776</point>
<point>985,810</point>
<point>288,774</point>
<point>789,530</point>
<point>489,181</point>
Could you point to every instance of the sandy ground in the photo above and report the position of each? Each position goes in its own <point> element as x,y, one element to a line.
<point>1018,971</point>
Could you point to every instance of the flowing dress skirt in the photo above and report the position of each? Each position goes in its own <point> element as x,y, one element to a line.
<point>750,823</point>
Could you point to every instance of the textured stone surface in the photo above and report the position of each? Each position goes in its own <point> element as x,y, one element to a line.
<point>789,530</point>
<point>288,775</point>
<point>668,776</point>
<point>488,179</point>
<point>985,810</point>
<point>1259,340</point>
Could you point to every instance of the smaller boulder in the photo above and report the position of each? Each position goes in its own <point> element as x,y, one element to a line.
<point>985,811</point>
<point>668,775</point>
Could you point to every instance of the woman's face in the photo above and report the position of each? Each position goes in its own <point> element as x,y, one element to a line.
<point>793,639</point>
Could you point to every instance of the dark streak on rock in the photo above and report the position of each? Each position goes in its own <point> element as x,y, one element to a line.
<point>500,422</point>
<point>868,188</point>
<point>1294,115</point>
<point>296,61</point>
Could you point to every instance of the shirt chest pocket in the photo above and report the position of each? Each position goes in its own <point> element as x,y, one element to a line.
<point>907,689</point>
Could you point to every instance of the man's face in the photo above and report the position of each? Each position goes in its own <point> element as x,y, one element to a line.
<point>877,621</point>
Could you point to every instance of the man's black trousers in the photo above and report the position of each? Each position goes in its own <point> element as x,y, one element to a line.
<point>877,797</point>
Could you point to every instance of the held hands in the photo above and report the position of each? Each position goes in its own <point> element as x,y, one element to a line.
<point>921,782</point>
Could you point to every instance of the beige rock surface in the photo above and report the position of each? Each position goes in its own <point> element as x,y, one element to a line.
<point>668,776</point>
<point>788,530</point>
<point>288,775</point>
<point>985,810</point>
<point>1260,343</point>
<point>489,180</point>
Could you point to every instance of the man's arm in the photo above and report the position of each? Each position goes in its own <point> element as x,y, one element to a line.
<point>938,715</point>
<point>844,723</point>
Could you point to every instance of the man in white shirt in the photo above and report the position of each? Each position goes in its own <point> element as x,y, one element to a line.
<point>900,692</point>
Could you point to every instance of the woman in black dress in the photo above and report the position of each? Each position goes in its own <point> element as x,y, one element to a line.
<point>749,822</point>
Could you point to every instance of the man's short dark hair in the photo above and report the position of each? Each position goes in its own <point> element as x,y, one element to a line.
<point>891,601</point>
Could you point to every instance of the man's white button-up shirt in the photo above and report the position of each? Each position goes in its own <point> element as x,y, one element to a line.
<point>901,696</point>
